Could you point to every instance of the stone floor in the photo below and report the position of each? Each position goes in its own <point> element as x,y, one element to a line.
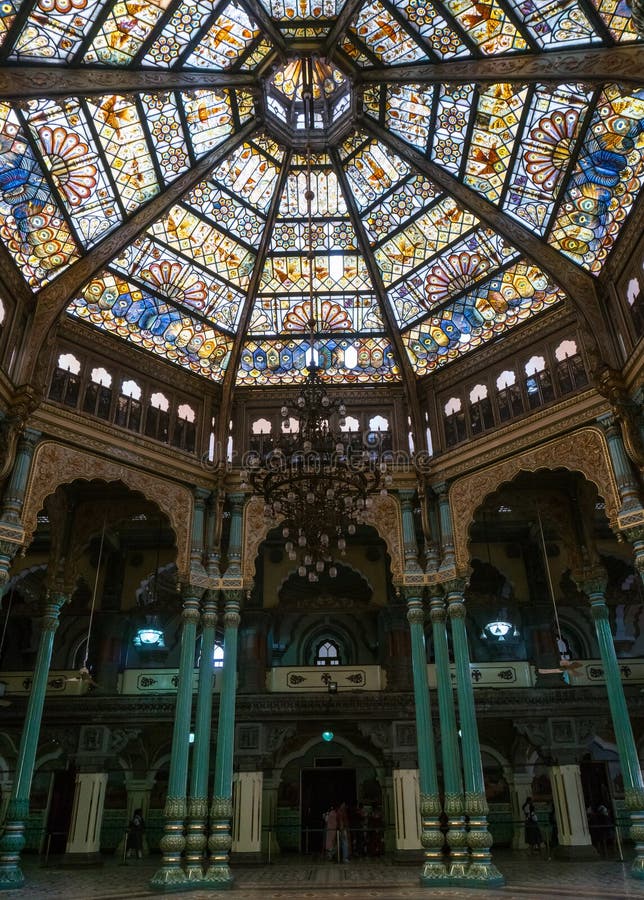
<point>296,878</point>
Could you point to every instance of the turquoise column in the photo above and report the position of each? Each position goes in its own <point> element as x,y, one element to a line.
<point>593,583</point>
<point>430,807</point>
<point>13,501</point>
<point>447,533</point>
<point>235,537</point>
<point>454,803</point>
<point>13,839</point>
<point>170,876</point>
<point>624,476</point>
<point>196,841</point>
<point>481,870</point>
<point>410,544</point>
<point>219,875</point>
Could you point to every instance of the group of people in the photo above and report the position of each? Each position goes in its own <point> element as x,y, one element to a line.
<point>355,832</point>
<point>600,825</point>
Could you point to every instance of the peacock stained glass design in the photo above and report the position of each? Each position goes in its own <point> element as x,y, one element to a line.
<point>395,144</point>
<point>32,224</point>
<point>510,297</point>
<point>115,305</point>
<point>606,180</point>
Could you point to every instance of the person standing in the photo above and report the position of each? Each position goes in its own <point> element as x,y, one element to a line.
<point>532,831</point>
<point>135,834</point>
<point>343,829</point>
<point>330,831</point>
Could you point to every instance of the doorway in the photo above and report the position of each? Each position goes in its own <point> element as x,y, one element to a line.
<point>321,787</point>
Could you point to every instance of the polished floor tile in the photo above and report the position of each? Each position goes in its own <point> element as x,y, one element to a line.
<point>296,878</point>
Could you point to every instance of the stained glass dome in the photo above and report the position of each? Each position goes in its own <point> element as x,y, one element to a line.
<point>473,163</point>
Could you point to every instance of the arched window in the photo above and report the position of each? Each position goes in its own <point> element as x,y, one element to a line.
<point>157,419</point>
<point>509,400</point>
<point>571,374</point>
<point>454,421</point>
<point>128,406</point>
<point>185,431</point>
<point>98,394</point>
<point>380,432</point>
<point>65,382</point>
<point>327,654</point>
<point>538,382</point>
<point>261,436</point>
<point>481,417</point>
<point>635,299</point>
<point>218,656</point>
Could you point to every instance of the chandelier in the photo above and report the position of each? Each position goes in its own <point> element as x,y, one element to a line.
<point>317,480</point>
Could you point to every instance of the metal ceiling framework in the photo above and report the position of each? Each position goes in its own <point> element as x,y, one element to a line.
<point>608,58</point>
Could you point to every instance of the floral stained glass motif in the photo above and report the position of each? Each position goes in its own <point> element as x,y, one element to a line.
<point>258,54</point>
<point>372,171</point>
<point>488,25</point>
<point>123,32</point>
<point>422,239</point>
<point>607,178</point>
<point>226,40</point>
<point>65,141</point>
<point>302,9</point>
<point>342,360</point>
<point>164,124</point>
<point>186,21</point>
<point>288,313</point>
<point>180,281</point>
<point>548,142</point>
<point>209,118</point>
<point>395,210</point>
<point>425,17</point>
<point>384,37</point>
<point>31,223</point>
<point>211,201</point>
<point>618,17</point>
<point>409,113</point>
<point>452,273</point>
<point>249,174</point>
<point>510,297</point>
<point>122,137</point>
<point>55,28</point>
<point>453,112</point>
<point>496,124</point>
<point>556,23</point>
<point>199,240</point>
<point>8,10</point>
<point>115,305</point>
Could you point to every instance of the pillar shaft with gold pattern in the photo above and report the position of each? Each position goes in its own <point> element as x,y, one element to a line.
<point>450,750</point>
<point>430,808</point>
<point>170,876</point>
<point>196,840</point>
<point>410,544</point>
<point>219,875</point>
<point>593,584</point>
<point>447,532</point>
<point>13,501</point>
<point>481,870</point>
<point>13,839</point>
<point>235,536</point>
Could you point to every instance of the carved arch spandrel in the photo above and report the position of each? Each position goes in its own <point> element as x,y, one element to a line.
<point>583,451</point>
<point>384,515</point>
<point>55,464</point>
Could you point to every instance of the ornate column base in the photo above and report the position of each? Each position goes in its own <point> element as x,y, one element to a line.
<point>481,871</point>
<point>171,877</point>
<point>432,840</point>
<point>11,845</point>
<point>219,877</point>
<point>456,838</point>
<point>196,840</point>
<point>635,806</point>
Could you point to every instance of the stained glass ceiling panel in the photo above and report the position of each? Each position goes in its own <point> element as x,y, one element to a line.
<point>395,256</point>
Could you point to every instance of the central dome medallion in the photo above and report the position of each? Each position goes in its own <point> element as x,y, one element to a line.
<point>290,85</point>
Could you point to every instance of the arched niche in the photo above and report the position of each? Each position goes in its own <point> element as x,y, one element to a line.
<point>55,464</point>
<point>584,451</point>
<point>384,515</point>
